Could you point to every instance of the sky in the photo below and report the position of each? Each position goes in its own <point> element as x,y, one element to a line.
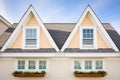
<point>62,11</point>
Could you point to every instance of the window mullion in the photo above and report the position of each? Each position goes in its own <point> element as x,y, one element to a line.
<point>26,65</point>
<point>83,65</point>
<point>37,65</point>
<point>93,65</point>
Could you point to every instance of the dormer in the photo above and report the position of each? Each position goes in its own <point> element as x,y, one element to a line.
<point>89,33</point>
<point>30,33</point>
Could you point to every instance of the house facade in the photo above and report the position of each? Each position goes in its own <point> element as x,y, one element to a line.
<point>59,49</point>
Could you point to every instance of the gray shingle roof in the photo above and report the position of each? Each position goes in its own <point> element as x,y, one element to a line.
<point>61,31</point>
<point>113,34</point>
<point>42,50</point>
<point>10,30</point>
<point>77,50</point>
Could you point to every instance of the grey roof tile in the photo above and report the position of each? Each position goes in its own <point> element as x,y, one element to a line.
<point>10,30</point>
<point>18,50</point>
<point>78,50</point>
<point>59,37</point>
<point>113,34</point>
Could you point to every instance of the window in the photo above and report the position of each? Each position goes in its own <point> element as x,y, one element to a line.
<point>21,64</point>
<point>99,64</point>
<point>77,64</point>
<point>88,64</point>
<point>31,38</point>
<point>87,37</point>
<point>31,64</point>
<point>42,64</point>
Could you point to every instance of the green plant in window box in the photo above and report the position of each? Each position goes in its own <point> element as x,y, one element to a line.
<point>90,74</point>
<point>29,74</point>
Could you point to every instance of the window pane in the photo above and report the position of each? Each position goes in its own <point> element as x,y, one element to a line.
<point>30,41</point>
<point>99,65</point>
<point>88,64</point>
<point>42,64</point>
<point>77,65</point>
<point>87,41</point>
<point>84,36</point>
<point>31,33</point>
<point>88,30</point>
<point>84,31</point>
<point>21,64</point>
<point>31,64</point>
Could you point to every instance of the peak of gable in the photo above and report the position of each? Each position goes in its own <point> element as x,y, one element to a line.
<point>90,17</point>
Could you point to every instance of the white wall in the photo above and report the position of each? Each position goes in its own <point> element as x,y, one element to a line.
<point>59,69</point>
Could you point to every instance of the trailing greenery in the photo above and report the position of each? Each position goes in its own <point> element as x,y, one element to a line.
<point>27,72</point>
<point>91,72</point>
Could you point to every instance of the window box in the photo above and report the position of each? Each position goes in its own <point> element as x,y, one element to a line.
<point>90,74</point>
<point>29,74</point>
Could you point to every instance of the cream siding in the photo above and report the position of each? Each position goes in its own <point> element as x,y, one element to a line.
<point>44,43</point>
<point>87,22</point>
<point>18,42</point>
<point>100,42</point>
<point>75,41</point>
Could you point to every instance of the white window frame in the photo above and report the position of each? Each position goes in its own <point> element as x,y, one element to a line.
<point>102,64</point>
<point>46,64</point>
<point>36,66</point>
<point>24,37</point>
<point>83,65</point>
<point>17,64</point>
<point>94,46</point>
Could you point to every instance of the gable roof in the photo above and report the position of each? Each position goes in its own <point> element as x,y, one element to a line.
<point>60,32</point>
<point>19,25</point>
<point>105,35</point>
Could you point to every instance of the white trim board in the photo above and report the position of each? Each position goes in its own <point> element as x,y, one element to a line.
<point>21,22</point>
<point>100,27</point>
<point>5,21</point>
<point>64,55</point>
